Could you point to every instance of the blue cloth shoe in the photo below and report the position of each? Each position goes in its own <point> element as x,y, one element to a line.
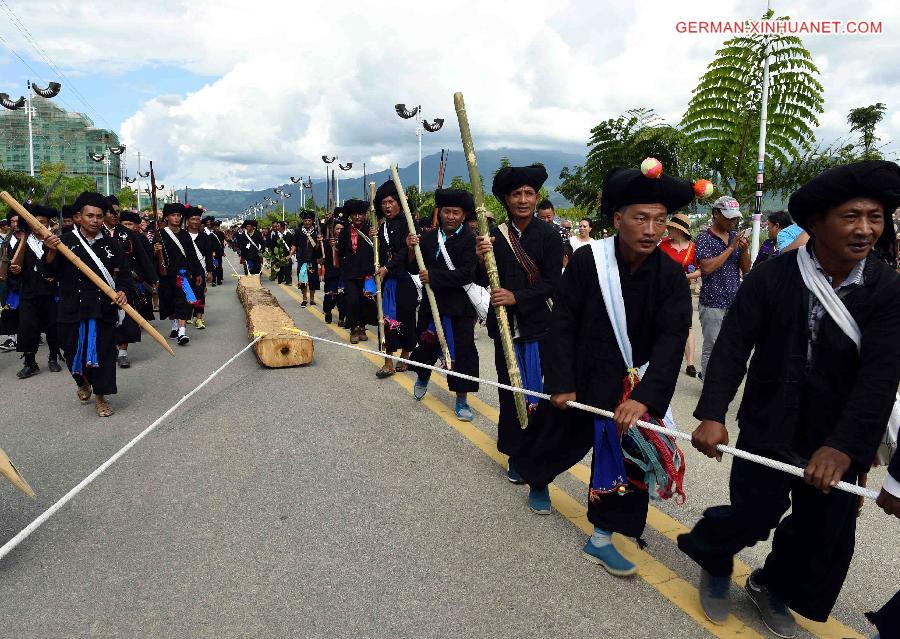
<point>610,558</point>
<point>512,474</point>
<point>539,501</point>
<point>420,389</point>
<point>463,412</point>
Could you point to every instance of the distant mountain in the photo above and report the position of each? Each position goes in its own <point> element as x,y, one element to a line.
<point>225,203</point>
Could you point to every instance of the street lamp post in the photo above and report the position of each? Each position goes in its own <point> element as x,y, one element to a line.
<point>51,91</point>
<point>422,125</point>
<point>104,157</point>
<point>328,194</point>
<point>343,167</point>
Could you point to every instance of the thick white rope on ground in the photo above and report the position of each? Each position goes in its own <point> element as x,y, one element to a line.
<point>736,452</point>
<point>234,270</point>
<point>10,545</point>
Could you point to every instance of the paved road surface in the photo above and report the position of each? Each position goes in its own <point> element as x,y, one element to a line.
<point>301,502</point>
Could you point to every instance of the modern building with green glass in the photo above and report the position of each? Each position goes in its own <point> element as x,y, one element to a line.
<point>59,136</point>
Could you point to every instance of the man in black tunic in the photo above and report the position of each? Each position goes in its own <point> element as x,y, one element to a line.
<point>143,276</point>
<point>529,260</point>
<point>249,245</point>
<point>814,397</point>
<point>179,271</point>
<point>355,256</point>
<point>307,248</point>
<point>37,304</point>
<point>86,318</point>
<point>333,286</point>
<point>217,242</point>
<point>202,245</point>
<point>449,255</point>
<point>586,360</point>
<point>399,296</point>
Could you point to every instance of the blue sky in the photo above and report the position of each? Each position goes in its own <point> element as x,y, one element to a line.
<point>224,94</point>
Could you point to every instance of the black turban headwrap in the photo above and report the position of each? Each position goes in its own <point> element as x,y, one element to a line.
<point>308,215</point>
<point>193,211</point>
<point>89,198</point>
<point>622,187</point>
<point>455,197</point>
<point>40,210</point>
<point>113,199</point>
<point>66,210</point>
<point>252,223</point>
<point>129,216</point>
<point>877,179</point>
<point>358,206</point>
<point>510,178</point>
<point>385,190</point>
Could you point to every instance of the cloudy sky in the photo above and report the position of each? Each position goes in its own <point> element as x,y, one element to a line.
<point>237,94</point>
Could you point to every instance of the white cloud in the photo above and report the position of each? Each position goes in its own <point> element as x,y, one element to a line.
<point>299,79</point>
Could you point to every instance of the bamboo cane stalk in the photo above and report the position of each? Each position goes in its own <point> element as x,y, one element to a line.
<point>432,302</point>
<point>43,232</point>
<point>490,262</point>
<point>373,222</point>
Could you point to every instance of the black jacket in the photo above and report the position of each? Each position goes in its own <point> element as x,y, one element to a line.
<point>33,280</point>
<point>244,247</point>
<point>79,298</point>
<point>840,398</point>
<point>204,244</point>
<point>362,262</point>
<point>531,313</point>
<point>180,255</point>
<point>393,252</point>
<point>447,285</point>
<point>582,354</point>
<point>138,252</point>
<point>309,248</point>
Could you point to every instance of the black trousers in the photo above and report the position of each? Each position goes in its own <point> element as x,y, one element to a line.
<point>200,294</point>
<point>172,302</point>
<point>557,440</point>
<point>333,299</point>
<point>465,352</point>
<point>353,303</point>
<point>103,378</point>
<point>811,548</point>
<point>312,275</point>
<point>218,272</point>
<point>510,435</point>
<point>37,315</point>
<point>284,273</point>
<point>887,620</point>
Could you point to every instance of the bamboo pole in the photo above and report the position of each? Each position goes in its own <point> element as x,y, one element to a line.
<point>373,222</point>
<point>490,262</point>
<point>43,232</point>
<point>8,470</point>
<point>432,302</point>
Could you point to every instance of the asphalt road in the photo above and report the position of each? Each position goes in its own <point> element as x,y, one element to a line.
<point>322,502</point>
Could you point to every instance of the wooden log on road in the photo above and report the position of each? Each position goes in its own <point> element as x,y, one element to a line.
<point>283,345</point>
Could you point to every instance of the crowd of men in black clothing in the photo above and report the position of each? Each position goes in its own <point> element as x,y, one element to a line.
<point>159,268</point>
<point>610,330</point>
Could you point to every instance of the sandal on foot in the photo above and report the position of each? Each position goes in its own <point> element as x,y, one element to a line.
<point>84,393</point>
<point>402,367</point>
<point>104,409</point>
<point>384,372</point>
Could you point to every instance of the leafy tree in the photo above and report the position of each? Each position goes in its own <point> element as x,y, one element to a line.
<point>627,141</point>
<point>784,179</point>
<point>863,120</point>
<point>127,198</point>
<point>723,115</point>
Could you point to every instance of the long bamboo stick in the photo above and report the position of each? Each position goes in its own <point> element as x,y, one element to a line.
<point>8,470</point>
<point>373,222</point>
<point>432,302</point>
<point>43,232</point>
<point>490,262</point>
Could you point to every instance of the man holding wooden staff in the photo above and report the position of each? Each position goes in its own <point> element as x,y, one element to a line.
<point>529,260</point>
<point>398,292</point>
<point>179,271</point>
<point>86,318</point>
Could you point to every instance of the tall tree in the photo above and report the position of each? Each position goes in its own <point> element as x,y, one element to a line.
<point>723,115</point>
<point>863,120</point>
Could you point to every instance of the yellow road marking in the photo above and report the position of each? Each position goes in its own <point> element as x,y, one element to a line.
<point>659,576</point>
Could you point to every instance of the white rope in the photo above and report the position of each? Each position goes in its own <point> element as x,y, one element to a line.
<point>10,545</point>
<point>736,452</point>
<point>230,264</point>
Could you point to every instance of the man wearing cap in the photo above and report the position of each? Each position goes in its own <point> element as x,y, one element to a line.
<point>821,323</point>
<point>398,291</point>
<point>620,321</point>
<point>449,256</point>
<point>179,271</point>
<point>723,255</point>
<point>529,255</point>
<point>202,246</point>
<point>249,244</point>
<point>307,248</point>
<point>37,305</point>
<point>354,254</point>
<point>86,319</point>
